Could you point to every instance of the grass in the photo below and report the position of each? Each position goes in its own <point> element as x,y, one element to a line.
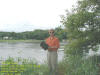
<point>22,67</point>
<point>25,67</point>
<point>73,66</point>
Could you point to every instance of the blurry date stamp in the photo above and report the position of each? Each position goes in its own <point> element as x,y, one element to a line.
<point>14,68</point>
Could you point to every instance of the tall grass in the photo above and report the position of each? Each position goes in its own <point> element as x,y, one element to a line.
<point>22,67</point>
<point>75,65</point>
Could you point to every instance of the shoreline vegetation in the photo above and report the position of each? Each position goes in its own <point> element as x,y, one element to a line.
<point>26,67</point>
<point>77,66</point>
<point>20,67</point>
<point>34,41</point>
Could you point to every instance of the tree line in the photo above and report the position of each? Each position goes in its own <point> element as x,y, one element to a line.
<point>37,34</point>
<point>82,25</point>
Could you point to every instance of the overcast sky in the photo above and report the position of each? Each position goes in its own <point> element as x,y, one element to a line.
<point>27,15</point>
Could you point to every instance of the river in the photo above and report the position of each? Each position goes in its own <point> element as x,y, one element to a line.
<point>27,51</point>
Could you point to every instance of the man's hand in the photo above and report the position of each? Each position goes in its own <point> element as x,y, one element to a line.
<point>52,48</point>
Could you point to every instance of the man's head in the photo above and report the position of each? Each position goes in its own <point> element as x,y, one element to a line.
<point>51,32</point>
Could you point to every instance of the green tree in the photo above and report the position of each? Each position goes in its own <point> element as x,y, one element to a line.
<point>40,34</point>
<point>60,33</point>
<point>83,27</point>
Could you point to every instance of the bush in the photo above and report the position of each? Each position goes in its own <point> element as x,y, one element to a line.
<point>77,66</point>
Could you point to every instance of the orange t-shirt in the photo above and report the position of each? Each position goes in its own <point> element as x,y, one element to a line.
<point>53,42</point>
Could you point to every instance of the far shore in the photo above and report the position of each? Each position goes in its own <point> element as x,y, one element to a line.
<point>35,41</point>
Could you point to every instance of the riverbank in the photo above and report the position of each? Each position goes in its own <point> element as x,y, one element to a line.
<point>34,41</point>
<point>74,66</point>
<point>26,67</point>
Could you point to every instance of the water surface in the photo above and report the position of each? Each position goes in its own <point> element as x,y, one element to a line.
<point>26,50</point>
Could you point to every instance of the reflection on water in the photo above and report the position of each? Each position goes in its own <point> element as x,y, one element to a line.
<point>26,50</point>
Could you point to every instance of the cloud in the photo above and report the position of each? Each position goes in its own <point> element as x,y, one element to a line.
<point>22,15</point>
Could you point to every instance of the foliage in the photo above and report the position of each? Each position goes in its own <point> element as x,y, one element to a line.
<point>37,34</point>
<point>60,33</point>
<point>22,67</point>
<point>83,27</point>
<point>77,66</point>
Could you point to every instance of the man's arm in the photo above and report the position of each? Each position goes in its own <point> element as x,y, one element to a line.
<point>52,48</point>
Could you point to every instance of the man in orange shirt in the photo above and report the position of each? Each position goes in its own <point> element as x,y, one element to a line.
<point>52,56</point>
